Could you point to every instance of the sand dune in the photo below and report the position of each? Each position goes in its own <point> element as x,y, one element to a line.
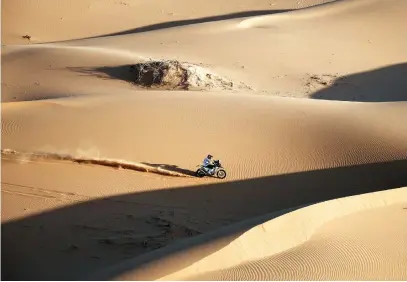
<point>335,252</point>
<point>64,20</point>
<point>290,135</point>
<point>333,244</point>
<point>302,103</point>
<point>342,238</point>
<point>298,63</point>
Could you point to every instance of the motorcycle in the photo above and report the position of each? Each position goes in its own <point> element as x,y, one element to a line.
<point>217,171</point>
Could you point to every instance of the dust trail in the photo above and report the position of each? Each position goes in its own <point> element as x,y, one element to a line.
<point>114,163</point>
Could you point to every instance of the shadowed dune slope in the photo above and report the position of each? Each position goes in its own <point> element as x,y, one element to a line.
<point>379,85</point>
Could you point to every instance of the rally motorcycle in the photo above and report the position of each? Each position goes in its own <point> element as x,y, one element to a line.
<point>217,171</point>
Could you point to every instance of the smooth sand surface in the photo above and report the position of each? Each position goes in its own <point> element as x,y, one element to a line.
<point>302,103</point>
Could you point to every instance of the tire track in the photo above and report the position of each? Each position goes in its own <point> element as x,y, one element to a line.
<point>113,163</point>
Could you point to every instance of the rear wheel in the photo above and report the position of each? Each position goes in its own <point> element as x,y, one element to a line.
<point>221,174</point>
<point>200,173</point>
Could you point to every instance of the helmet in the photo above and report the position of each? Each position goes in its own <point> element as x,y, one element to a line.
<point>210,156</point>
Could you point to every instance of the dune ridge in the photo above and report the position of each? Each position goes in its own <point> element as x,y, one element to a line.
<point>324,9</point>
<point>272,239</point>
<point>62,20</point>
<point>289,231</point>
<point>118,164</point>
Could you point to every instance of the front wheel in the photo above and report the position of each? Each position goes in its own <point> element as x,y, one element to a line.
<point>221,174</point>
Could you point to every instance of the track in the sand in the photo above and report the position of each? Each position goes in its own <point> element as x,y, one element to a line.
<point>114,163</point>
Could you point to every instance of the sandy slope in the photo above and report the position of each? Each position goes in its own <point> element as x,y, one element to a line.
<point>342,239</point>
<point>280,54</point>
<point>78,98</point>
<point>349,247</point>
<point>64,20</point>
<point>261,136</point>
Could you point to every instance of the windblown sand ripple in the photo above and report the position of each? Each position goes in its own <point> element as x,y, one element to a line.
<point>337,251</point>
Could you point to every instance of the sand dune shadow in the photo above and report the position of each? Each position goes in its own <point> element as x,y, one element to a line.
<point>387,84</point>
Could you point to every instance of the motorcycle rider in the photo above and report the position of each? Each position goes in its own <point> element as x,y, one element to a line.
<point>208,164</point>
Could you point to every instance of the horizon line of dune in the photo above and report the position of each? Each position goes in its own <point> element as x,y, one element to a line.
<point>114,163</point>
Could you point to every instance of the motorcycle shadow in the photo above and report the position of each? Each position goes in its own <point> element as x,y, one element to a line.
<point>173,168</point>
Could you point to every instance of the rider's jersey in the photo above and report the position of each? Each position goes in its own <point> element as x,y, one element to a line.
<point>207,162</point>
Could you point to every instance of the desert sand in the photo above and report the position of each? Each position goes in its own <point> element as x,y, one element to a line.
<point>109,106</point>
